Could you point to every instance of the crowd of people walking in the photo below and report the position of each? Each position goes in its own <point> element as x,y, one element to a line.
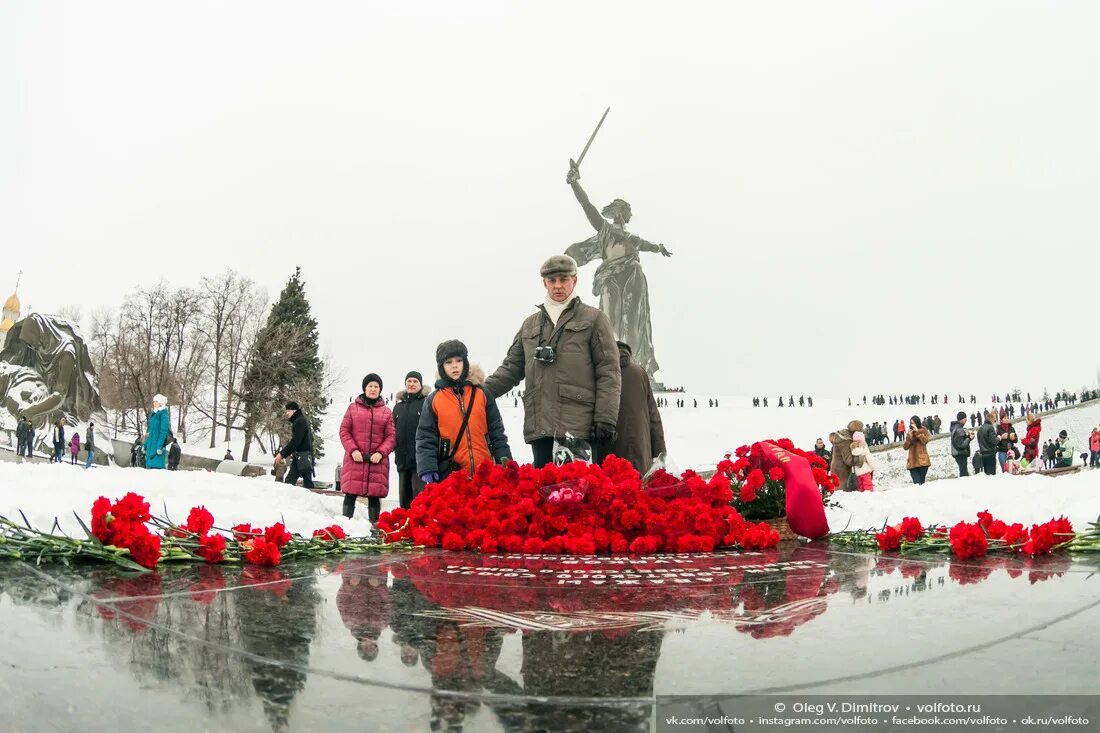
<point>994,446</point>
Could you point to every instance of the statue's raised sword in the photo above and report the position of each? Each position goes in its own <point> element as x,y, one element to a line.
<point>588,144</point>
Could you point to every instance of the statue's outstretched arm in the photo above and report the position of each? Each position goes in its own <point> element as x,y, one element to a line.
<point>646,246</point>
<point>590,211</point>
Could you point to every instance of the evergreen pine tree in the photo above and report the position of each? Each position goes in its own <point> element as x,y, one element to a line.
<point>285,367</point>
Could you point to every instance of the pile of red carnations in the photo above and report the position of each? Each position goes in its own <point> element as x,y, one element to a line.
<point>124,532</point>
<point>576,509</point>
<point>967,540</point>
<point>760,492</point>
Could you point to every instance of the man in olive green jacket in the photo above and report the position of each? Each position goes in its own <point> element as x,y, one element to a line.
<point>567,356</point>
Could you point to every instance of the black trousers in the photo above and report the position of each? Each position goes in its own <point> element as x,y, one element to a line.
<point>989,464</point>
<point>409,486</point>
<point>542,452</point>
<point>292,475</point>
<point>374,507</point>
<point>964,467</point>
<point>918,474</point>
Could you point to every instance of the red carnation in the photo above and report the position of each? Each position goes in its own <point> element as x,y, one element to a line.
<point>131,508</point>
<point>262,552</point>
<point>759,536</point>
<point>911,529</point>
<point>1041,540</point>
<point>985,519</point>
<point>144,548</point>
<point>630,519</point>
<point>889,539</point>
<point>755,479</point>
<point>453,541</point>
<point>199,521</point>
<point>532,546</point>
<point>277,535</point>
<point>212,548</point>
<point>968,540</point>
<point>747,494</point>
<point>242,532</point>
<point>581,545</point>
<point>101,518</point>
<point>333,532</point>
<point>644,545</point>
<point>1014,534</point>
<point>1063,530</point>
<point>423,537</point>
<point>775,473</point>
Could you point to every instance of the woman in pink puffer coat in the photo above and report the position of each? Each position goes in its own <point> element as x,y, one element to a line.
<point>368,437</point>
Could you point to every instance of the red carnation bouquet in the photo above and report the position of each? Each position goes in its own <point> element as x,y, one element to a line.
<point>968,540</point>
<point>126,533</point>
<point>595,509</point>
<point>760,491</point>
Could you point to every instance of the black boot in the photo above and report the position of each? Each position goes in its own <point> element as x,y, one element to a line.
<point>349,505</point>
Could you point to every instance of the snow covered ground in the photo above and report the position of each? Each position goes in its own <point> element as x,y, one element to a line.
<point>44,491</point>
<point>697,438</point>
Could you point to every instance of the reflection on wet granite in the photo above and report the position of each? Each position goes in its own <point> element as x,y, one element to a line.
<point>460,641</point>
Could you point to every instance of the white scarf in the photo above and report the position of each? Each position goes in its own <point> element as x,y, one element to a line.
<point>554,309</point>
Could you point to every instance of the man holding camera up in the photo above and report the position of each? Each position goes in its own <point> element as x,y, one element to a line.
<point>566,353</point>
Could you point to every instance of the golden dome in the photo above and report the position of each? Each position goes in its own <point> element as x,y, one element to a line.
<point>6,324</point>
<point>12,303</point>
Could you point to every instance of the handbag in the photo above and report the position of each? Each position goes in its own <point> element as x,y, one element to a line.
<point>446,453</point>
<point>303,463</point>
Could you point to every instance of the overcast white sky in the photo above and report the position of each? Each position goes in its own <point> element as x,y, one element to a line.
<point>861,196</point>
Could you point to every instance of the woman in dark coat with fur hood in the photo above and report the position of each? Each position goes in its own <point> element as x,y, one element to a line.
<point>640,435</point>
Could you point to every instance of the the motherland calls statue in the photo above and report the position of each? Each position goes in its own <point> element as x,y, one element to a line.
<point>619,280</point>
<point>46,372</point>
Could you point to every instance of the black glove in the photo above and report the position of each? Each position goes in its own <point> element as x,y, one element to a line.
<point>604,433</point>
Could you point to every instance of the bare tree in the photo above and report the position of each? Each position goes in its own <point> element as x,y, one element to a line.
<point>72,312</point>
<point>243,332</point>
<point>191,356</point>
<point>227,300</point>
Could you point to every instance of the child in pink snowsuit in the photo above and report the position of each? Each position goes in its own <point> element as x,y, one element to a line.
<point>863,463</point>
<point>1012,466</point>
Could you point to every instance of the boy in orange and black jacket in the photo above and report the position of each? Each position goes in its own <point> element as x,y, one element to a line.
<point>442,446</point>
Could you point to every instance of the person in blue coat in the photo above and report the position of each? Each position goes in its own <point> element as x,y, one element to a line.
<point>156,437</point>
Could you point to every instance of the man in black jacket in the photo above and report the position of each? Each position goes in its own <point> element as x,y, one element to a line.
<point>23,434</point>
<point>406,416</point>
<point>174,452</point>
<point>960,443</point>
<point>298,451</point>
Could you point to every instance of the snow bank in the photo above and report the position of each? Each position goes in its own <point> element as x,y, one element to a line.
<point>45,491</point>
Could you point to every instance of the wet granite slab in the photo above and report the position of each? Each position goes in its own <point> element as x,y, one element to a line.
<point>459,641</point>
